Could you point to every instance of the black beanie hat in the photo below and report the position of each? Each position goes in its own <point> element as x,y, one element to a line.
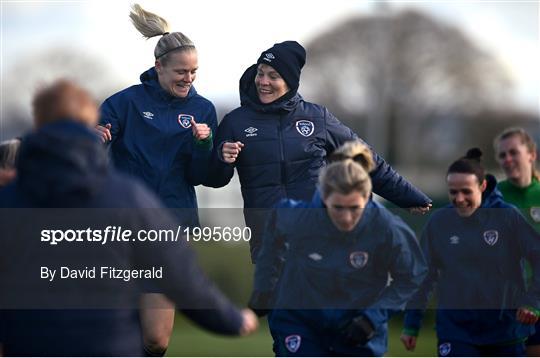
<point>287,58</point>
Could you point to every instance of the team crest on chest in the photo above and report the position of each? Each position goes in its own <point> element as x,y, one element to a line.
<point>491,237</point>
<point>305,128</point>
<point>535,214</point>
<point>292,343</point>
<point>358,259</point>
<point>185,120</point>
<point>444,349</point>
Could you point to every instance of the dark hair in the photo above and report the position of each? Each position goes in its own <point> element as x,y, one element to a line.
<point>471,163</point>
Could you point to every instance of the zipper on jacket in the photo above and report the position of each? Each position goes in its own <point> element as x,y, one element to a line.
<point>168,129</point>
<point>282,155</point>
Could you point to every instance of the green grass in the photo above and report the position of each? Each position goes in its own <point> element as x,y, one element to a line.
<point>188,340</point>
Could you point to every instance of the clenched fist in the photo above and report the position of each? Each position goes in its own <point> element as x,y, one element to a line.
<point>104,132</point>
<point>201,131</point>
<point>230,151</point>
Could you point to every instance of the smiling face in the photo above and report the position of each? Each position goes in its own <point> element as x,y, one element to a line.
<point>177,73</point>
<point>515,159</point>
<point>345,210</point>
<point>270,85</point>
<point>465,193</point>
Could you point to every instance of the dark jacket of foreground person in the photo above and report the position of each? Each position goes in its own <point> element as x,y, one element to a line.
<point>63,165</point>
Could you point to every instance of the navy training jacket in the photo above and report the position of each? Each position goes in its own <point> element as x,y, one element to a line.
<point>152,138</point>
<point>477,264</point>
<point>64,165</point>
<point>286,144</point>
<point>329,277</point>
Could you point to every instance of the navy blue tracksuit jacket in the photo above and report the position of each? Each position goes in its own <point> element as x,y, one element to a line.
<point>63,169</point>
<point>476,263</point>
<point>286,144</point>
<point>152,139</point>
<point>328,277</point>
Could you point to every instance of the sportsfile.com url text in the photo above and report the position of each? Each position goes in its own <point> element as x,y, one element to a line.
<point>118,234</point>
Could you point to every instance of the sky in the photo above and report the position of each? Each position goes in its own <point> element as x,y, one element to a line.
<point>231,34</point>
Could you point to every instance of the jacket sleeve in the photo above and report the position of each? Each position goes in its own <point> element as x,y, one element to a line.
<point>201,154</point>
<point>110,114</point>
<point>386,181</point>
<point>336,132</point>
<point>219,172</point>
<point>183,281</point>
<point>530,250</point>
<point>393,187</point>
<point>269,262</point>
<point>408,269</point>
<point>417,305</point>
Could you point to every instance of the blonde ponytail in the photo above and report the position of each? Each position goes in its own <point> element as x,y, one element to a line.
<point>148,23</point>
<point>357,151</point>
<point>344,177</point>
<point>151,25</point>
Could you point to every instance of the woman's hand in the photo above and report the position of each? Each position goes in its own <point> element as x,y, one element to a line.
<point>104,132</point>
<point>409,342</point>
<point>230,151</point>
<point>250,323</point>
<point>6,176</point>
<point>420,209</point>
<point>526,316</point>
<point>201,131</point>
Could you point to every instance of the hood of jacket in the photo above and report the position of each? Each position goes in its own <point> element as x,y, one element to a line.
<point>249,97</point>
<point>149,79</point>
<point>492,197</point>
<point>61,164</point>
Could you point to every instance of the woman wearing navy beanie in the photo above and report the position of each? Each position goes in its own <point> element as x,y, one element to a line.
<point>278,142</point>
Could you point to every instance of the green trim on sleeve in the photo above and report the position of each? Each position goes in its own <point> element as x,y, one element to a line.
<point>536,311</point>
<point>205,143</point>
<point>413,332</point>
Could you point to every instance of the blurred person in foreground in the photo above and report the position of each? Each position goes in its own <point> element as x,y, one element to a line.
<point>160,131</point>
<point>475,249</point>
<point>331,295</point>
<point>8,154</point>
<point>516,153</point>
<point>278,142</point>
<point>63,164</point>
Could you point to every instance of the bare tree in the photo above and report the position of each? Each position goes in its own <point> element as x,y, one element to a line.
<point>395,71</point>
<point>22,80</point>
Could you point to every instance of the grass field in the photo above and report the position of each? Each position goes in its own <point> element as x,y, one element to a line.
<point>188,340</point>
